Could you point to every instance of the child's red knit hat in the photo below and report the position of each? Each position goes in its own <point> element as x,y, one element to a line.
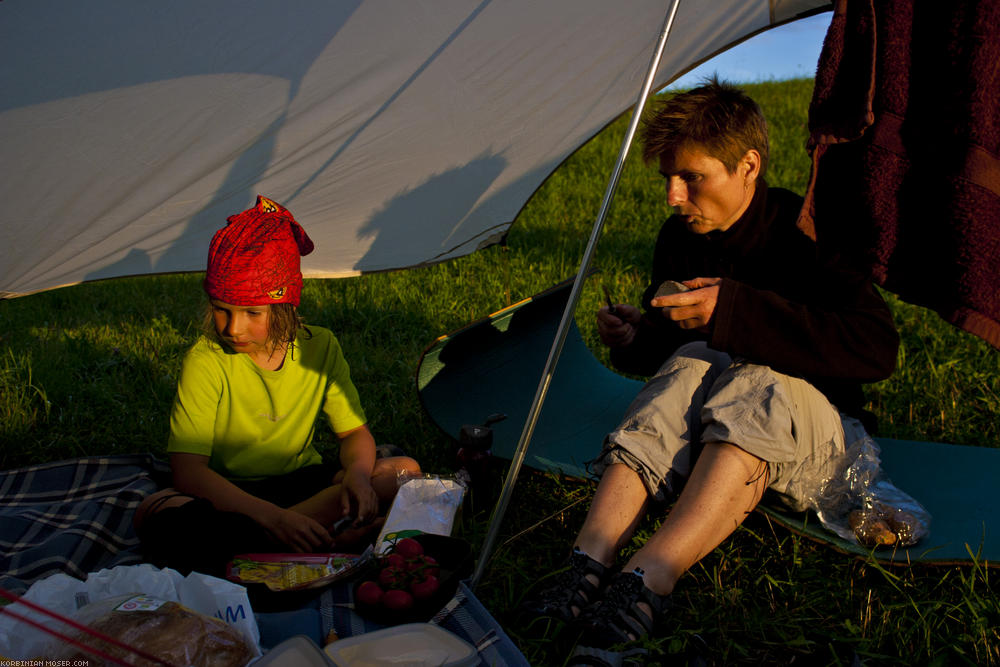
<point>254,259</point>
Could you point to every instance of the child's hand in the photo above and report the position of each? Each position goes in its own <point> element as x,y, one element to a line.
<point>358,494</point>
<point>298,531</point>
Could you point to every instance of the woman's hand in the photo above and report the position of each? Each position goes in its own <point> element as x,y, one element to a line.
<point>618,329</point>
<point>692,309</point>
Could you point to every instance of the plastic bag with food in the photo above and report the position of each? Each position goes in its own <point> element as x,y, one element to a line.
<point>146,630</point>
<point>62,595</point>
<point>861,504</point>
<point>424,504</point>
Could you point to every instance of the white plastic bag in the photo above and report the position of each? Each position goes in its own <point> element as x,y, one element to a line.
<point>145,630</point>
<point>64,595</point>
<point>424,504</point>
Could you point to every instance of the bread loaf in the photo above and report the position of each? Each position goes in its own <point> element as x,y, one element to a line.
<point>166,630</point>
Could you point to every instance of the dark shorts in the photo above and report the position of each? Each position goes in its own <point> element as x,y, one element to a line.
<point>196,536</point>
<point>293,488</point>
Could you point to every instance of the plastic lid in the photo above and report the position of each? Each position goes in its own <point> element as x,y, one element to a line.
<point>297,651</point>
<point>407,645</point>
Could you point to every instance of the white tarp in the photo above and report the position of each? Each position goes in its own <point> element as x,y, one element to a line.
<point>397,132</point>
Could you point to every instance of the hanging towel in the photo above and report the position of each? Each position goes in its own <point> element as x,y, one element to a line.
<point>905,144</point>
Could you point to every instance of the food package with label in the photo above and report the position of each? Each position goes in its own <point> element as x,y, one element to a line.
<point>142,630</point>
<point>423,504</point>
<point>294,572</point>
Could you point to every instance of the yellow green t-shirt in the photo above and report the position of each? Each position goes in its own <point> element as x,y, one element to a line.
<point>254,423</point>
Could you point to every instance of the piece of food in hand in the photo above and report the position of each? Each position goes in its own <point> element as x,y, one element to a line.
<point>668,287</point>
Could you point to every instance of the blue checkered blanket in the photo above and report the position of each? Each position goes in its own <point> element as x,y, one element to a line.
<point>72,516</point>
<point>333,610</point>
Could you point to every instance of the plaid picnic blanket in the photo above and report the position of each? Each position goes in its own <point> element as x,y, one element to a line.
<point>72,516</point>
<point>464,616</point>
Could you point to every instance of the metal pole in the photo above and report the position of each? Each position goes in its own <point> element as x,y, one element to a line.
<point>574,297</point>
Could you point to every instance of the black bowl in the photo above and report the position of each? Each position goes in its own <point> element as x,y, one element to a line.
<point>454,557</point>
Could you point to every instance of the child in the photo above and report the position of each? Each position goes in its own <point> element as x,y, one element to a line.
<point>246,476</point>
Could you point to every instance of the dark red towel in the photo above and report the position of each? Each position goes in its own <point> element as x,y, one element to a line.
<point>905,142</point>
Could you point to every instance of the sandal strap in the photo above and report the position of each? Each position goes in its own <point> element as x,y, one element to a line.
<point>619,615</point>
<point>599,657</point>
<point>571,588</point>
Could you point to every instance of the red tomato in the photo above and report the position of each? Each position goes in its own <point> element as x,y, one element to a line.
<point>397,599</point>
<point>395,560</point>
<point>424,588</point>
<point>393,577</point>
<point>423,565</point>
<point>408,548</point>
<point>431,566</point>
<point>369,593</point>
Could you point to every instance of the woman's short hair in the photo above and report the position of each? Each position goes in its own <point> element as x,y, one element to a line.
<point>716,116</point>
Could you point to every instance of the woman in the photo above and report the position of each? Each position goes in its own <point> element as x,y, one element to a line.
<point>757,361</point>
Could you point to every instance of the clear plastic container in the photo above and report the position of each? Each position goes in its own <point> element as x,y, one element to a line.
<point>297,651</point>
<point>408,645</point>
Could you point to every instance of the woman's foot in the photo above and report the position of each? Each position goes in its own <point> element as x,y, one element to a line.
<point>627,611</point>
<point>571,590</point>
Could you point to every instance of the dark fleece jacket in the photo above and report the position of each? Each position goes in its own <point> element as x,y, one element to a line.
<point>779,303</point>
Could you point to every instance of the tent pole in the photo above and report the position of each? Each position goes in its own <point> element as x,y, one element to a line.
<point>574,297</point>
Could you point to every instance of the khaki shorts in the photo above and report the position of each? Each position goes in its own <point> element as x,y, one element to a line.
<point>703,396</point>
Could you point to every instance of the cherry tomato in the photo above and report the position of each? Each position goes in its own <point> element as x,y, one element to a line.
<point>370,593</point>
<point>408,548</point>
<point>395,560</point>
<point>424,588</point>
<point>422,565</point>
<point>393,577</point>
<point>397,599</point>
<point>430,566</point>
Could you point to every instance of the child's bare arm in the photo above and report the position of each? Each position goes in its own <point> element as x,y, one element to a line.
<point>357,456</point>
<point>193,476</point>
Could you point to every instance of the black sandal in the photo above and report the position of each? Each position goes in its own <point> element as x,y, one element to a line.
<point>570,588</point>
<point>599,657</point>
<point>617,617</point>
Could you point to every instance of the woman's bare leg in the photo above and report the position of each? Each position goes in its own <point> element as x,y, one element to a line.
<point>725,486</point>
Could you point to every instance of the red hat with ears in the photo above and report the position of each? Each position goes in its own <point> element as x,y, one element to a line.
<point>254,259</point>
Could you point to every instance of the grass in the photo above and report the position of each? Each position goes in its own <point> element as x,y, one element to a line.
<point>91,370</point>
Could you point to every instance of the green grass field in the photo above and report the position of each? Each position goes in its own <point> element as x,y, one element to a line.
<point>92,369</point>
